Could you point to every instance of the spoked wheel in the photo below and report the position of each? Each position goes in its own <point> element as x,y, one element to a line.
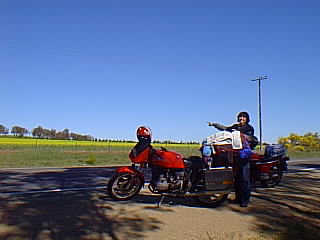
<point>124,186</point>
<point>275,177</point>
<point>212,200</point>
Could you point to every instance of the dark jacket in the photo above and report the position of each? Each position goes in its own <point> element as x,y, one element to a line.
<point>245,128</point>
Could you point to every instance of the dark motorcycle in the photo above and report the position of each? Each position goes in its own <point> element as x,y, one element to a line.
<point>268,168</point>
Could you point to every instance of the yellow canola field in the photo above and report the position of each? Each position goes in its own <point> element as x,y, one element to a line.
<point>50,142</point>
<point>33,141</point>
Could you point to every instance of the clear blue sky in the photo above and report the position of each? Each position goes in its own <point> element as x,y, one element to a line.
<point>104,67</point>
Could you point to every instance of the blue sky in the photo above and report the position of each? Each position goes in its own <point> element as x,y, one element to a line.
<point>105,67</point>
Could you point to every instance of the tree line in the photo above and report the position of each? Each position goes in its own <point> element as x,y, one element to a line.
<point>309,142</point>
<point>40,132</point>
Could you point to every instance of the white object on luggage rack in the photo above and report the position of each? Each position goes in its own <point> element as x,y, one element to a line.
<point>225,137</point>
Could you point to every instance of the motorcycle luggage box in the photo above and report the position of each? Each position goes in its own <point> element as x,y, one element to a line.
<point>274,150</point>
<point>218,179</point>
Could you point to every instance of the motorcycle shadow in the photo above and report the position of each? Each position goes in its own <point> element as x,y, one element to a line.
<point>167,204</point>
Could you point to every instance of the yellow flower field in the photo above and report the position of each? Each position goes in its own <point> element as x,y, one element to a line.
<point>31,152</point>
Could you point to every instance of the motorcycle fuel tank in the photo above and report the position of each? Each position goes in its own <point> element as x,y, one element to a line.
<point>167,159</point>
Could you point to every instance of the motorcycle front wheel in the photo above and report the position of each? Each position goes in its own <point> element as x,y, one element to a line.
<point>212,200</point>
<point>124,186</point>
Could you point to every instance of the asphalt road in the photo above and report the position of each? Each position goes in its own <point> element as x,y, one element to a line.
<point>71,203</point>
<point>37,180</point>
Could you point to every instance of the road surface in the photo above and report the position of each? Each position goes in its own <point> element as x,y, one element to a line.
<point>72,204</point>
<point>35,180</point>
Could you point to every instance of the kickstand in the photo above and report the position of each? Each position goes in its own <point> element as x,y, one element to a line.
<point>159,203</point>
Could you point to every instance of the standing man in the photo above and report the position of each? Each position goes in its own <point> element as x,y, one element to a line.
<point>242,162</point>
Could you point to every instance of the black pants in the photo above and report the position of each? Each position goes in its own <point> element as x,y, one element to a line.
<point>242,180</point>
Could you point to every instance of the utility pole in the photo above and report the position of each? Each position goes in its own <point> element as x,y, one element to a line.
<point>258,80</point>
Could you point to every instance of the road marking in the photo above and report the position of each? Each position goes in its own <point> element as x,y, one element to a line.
<point>52,190</point>
<point>308,169</point>
<point>300,170</point>
<point>301,160</point>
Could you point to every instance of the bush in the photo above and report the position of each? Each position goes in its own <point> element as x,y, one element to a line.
<point>91,160</point>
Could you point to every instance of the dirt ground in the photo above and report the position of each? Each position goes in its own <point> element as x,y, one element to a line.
<point>289,211</point>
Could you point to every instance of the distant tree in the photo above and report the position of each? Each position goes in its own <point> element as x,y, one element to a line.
<point>38,132</point>
<point>19,131</point>
<point>66,134</point>
<point>76,136</point>
<point>89,138</point>
<point>59,135</point>
<point>46,133</point>
<point>3,130</point>
<point>53,133</point>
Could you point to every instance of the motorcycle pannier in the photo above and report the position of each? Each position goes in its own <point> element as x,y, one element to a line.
<point>218,179</point>
<point>274,150</point>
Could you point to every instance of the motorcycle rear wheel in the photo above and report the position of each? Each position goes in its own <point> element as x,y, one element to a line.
<point>212,200</point>
<point>124,186</point>
<point>275,178</point>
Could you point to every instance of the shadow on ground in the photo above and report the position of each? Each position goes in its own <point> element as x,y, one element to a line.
<point>68,215</point>
<point>290,210</point>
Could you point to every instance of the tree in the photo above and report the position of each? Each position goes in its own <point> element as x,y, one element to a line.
<point>3,130</point>
<point>53,133</point>
<point>75,136</point>
<point>66,134</point>
<point>38,132</point>
<point>307,142</point>
<point>19,131</point>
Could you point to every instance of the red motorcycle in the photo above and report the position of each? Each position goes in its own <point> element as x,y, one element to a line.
<point>208,179</point>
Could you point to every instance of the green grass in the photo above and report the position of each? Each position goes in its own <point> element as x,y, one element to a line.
<point>304,155</point>
<point>22,152</point>
<point>30,152</point>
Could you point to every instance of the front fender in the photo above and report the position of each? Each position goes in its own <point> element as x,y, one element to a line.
<point>131,170</point>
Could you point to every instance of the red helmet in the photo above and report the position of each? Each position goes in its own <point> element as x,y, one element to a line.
<point>144,131</point>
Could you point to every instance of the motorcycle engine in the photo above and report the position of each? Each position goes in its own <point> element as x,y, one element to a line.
<point>167,179</point>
